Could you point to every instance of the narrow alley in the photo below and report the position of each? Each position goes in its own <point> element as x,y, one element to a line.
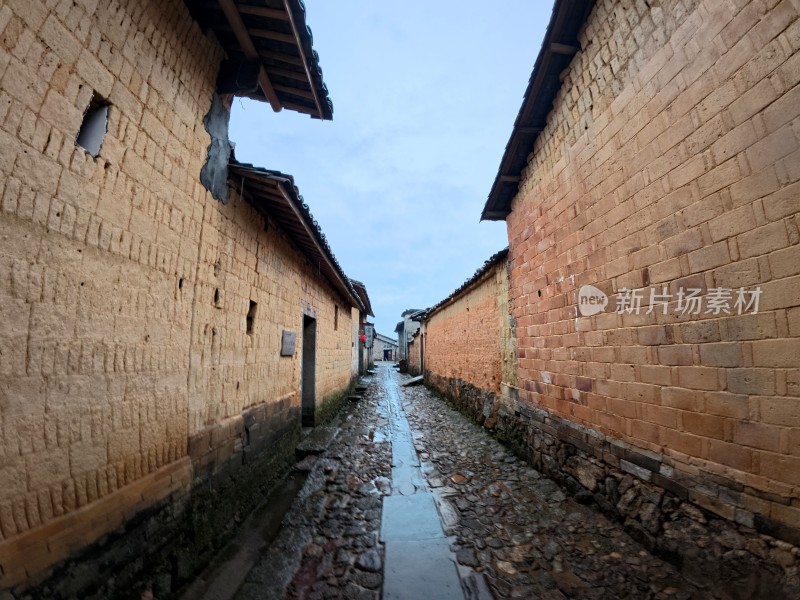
<point>521,321</point>
<point>411,500</point>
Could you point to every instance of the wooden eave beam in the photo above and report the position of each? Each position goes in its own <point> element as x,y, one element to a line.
<point>304,59</point>
<point>509,178</point>
<point>268,34</point>
<point>286,73</point>
<point>261,11</point>
<point>291,90</point>
<point>286,58</point>
<point>299,108</point>
<point>246,44</point>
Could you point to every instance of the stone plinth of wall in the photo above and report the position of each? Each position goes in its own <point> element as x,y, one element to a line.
<point>696,520</point>
<point>159,532</point>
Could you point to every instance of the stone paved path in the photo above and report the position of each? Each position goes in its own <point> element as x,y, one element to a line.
<point>511,533</point>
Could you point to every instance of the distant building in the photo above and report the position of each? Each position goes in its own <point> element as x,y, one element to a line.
<point>405,329</point>
<point>384,348</point>
<point>362,349</point>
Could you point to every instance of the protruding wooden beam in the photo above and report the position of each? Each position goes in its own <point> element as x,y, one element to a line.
<point>303,57</point>
<point>268,34</point>
<point>291,90</point>
<point>308,110</point>
<point>249,49</point>
<point>261,11</point>
<point>269,90</point>
<point>286,58</point>
<point>286,73</point>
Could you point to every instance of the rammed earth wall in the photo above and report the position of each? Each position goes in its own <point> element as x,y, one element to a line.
<point>134,390</point>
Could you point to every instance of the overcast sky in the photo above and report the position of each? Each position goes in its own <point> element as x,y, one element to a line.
<point>424,97</point>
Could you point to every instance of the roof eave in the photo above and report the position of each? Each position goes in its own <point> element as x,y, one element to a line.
<point>275,39</point>
<point>477,277</point>
<point>275,195</point>
<point>361,290</point>
<point>559,46</point>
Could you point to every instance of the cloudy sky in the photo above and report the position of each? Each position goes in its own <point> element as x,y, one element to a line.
<point>424,96</point>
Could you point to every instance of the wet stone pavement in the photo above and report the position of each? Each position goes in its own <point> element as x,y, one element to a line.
<point>412,500</point>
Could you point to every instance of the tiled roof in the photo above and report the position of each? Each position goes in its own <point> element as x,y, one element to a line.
<point>270,52</point>
<point>493,260</point>
<point>559,46</point>
<point>274,194</point>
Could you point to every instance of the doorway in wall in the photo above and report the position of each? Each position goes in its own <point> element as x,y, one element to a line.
<point>309,370</point>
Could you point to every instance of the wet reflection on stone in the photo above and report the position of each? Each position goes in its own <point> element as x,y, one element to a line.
<point>424,504</point>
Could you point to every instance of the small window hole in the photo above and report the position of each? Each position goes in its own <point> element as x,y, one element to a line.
<point>216,297</point>
<point>251,317</point>
<point>336,317</point>
<point>94,126</point>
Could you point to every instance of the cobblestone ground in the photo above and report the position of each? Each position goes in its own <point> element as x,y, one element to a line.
<point>343,558</point>
<point>329,545</point>
<point>519,528</point>
<point>506,522</point>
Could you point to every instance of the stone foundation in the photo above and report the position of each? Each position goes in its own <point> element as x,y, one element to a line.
<point>699,521</point>
<point>232,466</point>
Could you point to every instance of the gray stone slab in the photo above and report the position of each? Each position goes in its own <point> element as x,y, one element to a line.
<point>410,518</point>
<point>413,381</point>
<point>403,452</point>
<point>404,476</point>
<point>316,442</point>
<point>420,569</point>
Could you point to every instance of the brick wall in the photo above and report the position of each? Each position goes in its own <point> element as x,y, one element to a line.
<point>670,159</point>
<point>124,286</point>
<point>466,339</point>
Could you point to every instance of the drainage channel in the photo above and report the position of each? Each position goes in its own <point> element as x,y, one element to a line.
<point>418,561</point>
<point>223,578</point>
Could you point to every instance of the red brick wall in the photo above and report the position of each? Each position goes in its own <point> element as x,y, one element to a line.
<point>671,158</point>
<point>463,338</point>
